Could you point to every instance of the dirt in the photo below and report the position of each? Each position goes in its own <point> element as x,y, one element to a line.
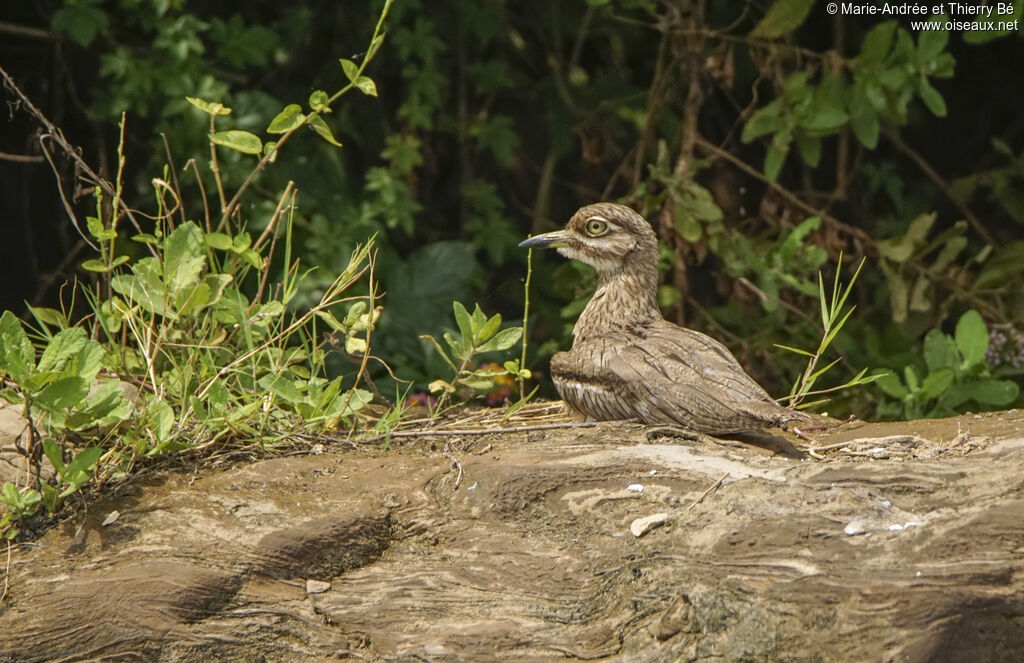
<point>872,542</point>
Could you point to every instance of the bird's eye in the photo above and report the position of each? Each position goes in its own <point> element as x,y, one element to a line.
<point>596,227</point>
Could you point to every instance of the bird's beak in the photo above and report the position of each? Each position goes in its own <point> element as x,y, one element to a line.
<point>552,240</point>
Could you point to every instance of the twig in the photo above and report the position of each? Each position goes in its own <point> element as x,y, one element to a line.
<point>707,492</point>
<point>786,193</point>
<point>20,158</point>
<point>55,134</point>
<point>929,172</point>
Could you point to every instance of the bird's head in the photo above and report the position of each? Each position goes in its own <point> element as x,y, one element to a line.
<point>606,236</point>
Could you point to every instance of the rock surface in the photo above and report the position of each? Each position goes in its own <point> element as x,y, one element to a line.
<point>885,542</point>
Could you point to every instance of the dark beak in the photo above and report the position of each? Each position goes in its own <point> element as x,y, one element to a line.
<point>551,240</point>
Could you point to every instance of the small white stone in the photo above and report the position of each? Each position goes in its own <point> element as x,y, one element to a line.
<point>854,528</point>
<point>635,488</point>
<point>653,472</point>
<point>895,527</point>
<point>642,526</point>
<point>317,586</point>
<point>110,519</point>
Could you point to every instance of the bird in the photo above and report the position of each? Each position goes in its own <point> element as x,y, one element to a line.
<point>626,360</point>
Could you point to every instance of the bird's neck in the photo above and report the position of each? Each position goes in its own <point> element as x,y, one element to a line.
<point>624,298</point>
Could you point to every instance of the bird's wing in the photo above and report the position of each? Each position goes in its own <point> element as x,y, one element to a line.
<point>678,375</point>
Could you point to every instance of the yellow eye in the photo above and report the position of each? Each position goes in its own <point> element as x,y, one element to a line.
<point>596,227</point>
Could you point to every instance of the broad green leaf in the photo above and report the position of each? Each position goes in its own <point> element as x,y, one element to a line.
<point>936,383</point>
<point>971,337</point>
<point>320,126</point>
<point>931,98</point>
<point>826,119</point>
<point>767,120</point>
<point>17,356</point>
<point>288,119</point>
<point>773,160</point>
<point>184,260</point>
<point>489,328</point>
<point>463,320</point>
<point>97,230</point>
<point>218,241</point>
<point>84,460</point>
<point>866,129</point>
<point>350,68</point>
<point>877,44</point>
<point>319,101</point>
<point>282,387</point>
<point>910,377</point>
<point>366,86</point>
<point>53,454</point>
<point>331,321</point>
<point>810,148</point>
<point>61,394</point>
<point>932,42</point>
<point>940,351</point>
<point>211,107</point>
<point>503,340</point>
<point>64,345</point>
<point>985,391</point>
<point>355,345</point>
<point>98,266</point>
<point>899,249</point>
<point>240,141</point>
<point>782,17</point>
<point>687,225</point>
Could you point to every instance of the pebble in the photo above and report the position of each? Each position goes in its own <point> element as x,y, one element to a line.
<point>317,586</point>
<point>642,526</point>
<point>635,488</point>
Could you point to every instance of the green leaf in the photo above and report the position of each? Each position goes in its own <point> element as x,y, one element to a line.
<point>900,249</point>
<point>84,460</point>
<point>350,68</point>
<point>810,148</point>
<point>288,119</point>
<point>464,321</point>
<point>53,454</point>
<point>504,340</point>
<point>985,391</point>
<point>940,351</point>
<point>877,44</point>
<point>489,328</point>
<point>331,321</point>
<point>972,337</point>
<point>931,98</point>
<point>320,101</point>
<point>866,129</point>
<point>932,42</point>
<point>211,107</point>
<point>826,119</point>
<point>282,387</point>
<point>82,21</point>
<point>366,86</point>
<point>936,383</point>
<point>773,160</point>
<point>767,120</point>
<point>64,345</point>
<point>17,356</point>
<point>782,17</point>
<point>184,260</point>
<point>218,241</point>
<point>98,266</point>
<point>240,141</point>
<point>891,384</point>
<point>62,394</point>
<point>320,126</point>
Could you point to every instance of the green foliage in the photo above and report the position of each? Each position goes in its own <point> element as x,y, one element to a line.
<point>478,334</point>
<point>955,373</point>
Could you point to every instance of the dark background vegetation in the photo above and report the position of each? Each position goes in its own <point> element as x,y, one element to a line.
<point>497,119</point>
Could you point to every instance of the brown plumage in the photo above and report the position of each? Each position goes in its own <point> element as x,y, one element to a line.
<point>626,361</point>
